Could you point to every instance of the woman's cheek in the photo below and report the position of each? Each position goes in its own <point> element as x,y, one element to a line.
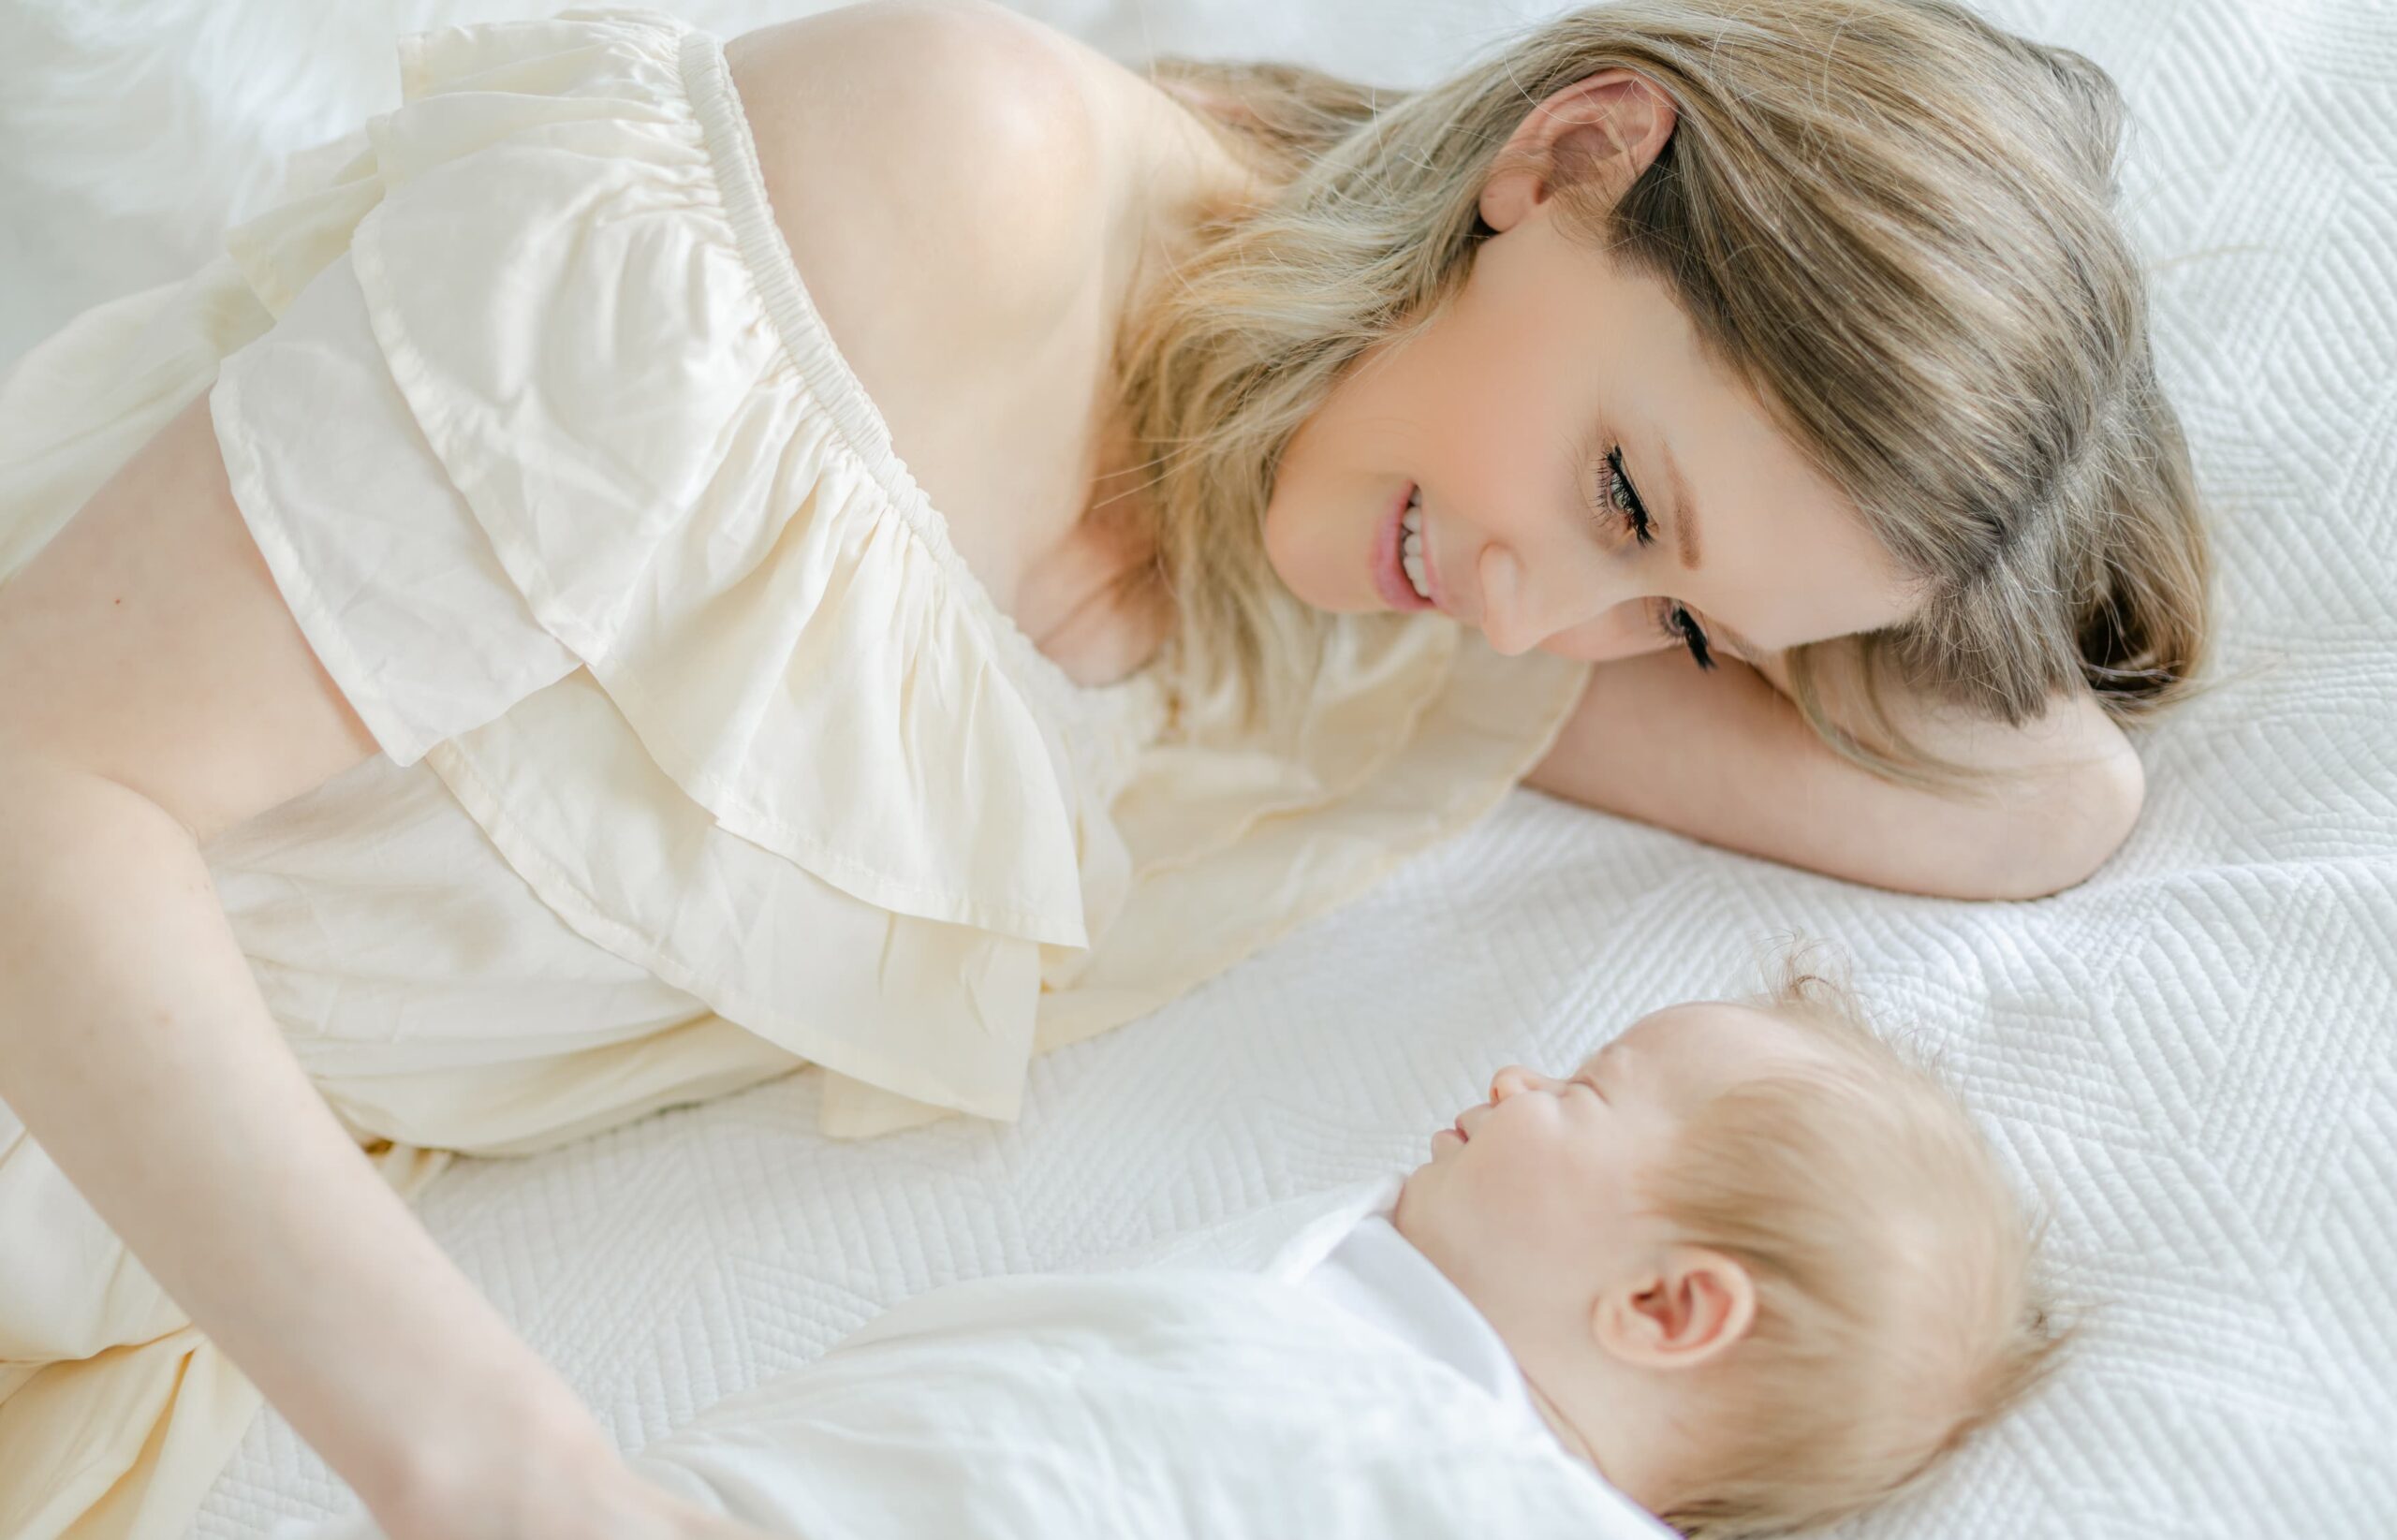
<point>1625,631</point>
<point>1287,546</point>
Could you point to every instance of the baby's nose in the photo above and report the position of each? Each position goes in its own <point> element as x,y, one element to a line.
<point>1510,1081</point>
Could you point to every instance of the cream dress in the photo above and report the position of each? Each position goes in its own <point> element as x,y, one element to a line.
<point>704,756</point>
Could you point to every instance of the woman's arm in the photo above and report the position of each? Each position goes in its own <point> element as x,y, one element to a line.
<point>1725,757</point>
<point>153,690</point>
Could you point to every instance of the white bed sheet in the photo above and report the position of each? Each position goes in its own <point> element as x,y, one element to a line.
<point>2193,1057</point>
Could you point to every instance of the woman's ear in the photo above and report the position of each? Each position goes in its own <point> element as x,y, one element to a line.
<point>1693,1306</point>
<point>1600,132</point>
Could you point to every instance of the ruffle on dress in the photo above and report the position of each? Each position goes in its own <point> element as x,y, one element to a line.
<point>569,488</point>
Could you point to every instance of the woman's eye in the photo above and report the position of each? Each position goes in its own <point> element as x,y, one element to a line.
<point>1622,499</point>
<point>1684,628</point>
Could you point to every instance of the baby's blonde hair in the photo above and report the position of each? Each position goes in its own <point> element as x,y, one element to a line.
<point>1890,218</point>
<point>1898,1307</point>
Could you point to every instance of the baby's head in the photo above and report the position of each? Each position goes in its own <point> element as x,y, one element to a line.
<point>1760,1268</point>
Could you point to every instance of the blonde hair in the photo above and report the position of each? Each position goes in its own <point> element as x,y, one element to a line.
<point>1898,1308</point>
<point>1892,219</point>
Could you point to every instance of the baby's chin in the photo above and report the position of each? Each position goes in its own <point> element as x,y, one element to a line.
<point>1412,1198</point>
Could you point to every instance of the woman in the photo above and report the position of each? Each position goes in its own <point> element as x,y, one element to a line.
<point>1781,358</point>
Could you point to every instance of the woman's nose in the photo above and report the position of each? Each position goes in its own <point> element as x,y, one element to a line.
<point>1523,605</point>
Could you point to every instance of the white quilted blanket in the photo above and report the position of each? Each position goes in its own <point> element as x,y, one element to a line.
<point>2193,1057</point>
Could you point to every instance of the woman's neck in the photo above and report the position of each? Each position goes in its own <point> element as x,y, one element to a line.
<point>1087,596</point>
<point>1187,182</point>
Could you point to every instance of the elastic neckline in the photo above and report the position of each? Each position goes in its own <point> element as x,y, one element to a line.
<point>807,342</point>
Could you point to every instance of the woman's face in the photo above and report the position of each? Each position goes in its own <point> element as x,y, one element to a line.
<point>1584,477</point>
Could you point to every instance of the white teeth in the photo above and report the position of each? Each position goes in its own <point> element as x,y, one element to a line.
<point>1410,553</point>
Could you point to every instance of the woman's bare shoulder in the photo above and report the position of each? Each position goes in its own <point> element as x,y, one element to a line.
<point>943,172</point>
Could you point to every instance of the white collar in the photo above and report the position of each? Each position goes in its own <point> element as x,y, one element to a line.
<point>1377,1276</point>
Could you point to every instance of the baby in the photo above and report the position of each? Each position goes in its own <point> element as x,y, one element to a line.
<point>1751,1263</point>
<point>1745,1270</point>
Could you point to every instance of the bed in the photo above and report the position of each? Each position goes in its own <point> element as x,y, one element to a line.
<point>2192,1060</point>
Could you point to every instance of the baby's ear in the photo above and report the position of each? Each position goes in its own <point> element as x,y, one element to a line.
<point>1692,1305</point>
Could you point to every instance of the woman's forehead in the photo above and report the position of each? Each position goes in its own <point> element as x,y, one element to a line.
<point>1781,552</point>
<point>1784,555</point>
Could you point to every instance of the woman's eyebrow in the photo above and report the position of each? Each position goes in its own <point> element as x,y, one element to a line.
<point>1684,509</point>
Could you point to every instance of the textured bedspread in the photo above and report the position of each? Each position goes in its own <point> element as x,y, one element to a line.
<point>2193,1057</point>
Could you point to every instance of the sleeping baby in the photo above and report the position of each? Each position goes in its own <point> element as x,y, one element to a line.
<point>1745,1270</point>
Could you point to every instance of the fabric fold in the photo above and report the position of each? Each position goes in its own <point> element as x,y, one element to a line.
<point>775,615</point>
<point>585,511</point>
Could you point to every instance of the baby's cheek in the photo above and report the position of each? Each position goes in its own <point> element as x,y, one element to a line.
<point>1536,1186</point>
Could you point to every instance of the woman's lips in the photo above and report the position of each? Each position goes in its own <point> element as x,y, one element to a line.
<point>1390,573</point>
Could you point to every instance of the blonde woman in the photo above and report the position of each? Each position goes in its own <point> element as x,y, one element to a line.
<point>501,651</point>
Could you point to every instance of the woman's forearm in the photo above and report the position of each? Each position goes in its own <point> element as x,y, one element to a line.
<point>1727,758</point>
<point>135,1046</point>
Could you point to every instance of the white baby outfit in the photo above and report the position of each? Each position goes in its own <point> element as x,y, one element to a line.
<point>1303,1372</point>
<point>705,757</point>
<point>1378,1277</point>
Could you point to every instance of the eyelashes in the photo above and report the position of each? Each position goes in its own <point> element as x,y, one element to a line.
<point>1683,627</point>
<point>1622,501</point>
